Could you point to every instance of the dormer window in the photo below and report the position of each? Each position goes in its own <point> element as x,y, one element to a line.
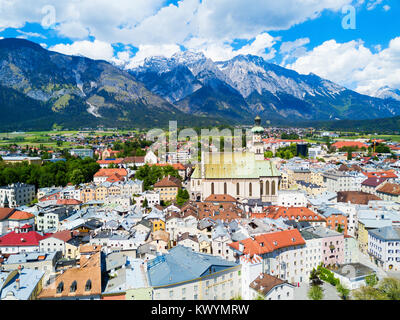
<point>275,243</point>
<point>60,287</point>
<point>73,287</point>
<point>88,285</point>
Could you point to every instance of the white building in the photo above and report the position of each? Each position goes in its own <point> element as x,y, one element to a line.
<point>18,194</point>
<point>292,198</point>
<point>343,181</point>
<point>384,247</point>
<point>153,198</point>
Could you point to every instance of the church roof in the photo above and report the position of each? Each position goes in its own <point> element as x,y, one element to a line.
<point>236,165</point>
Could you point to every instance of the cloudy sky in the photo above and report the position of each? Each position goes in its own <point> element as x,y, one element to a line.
<point>360,51</point>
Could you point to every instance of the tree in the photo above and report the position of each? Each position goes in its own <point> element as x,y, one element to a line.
<point>268,154</point>
<point>314,277</point>
<point>182,197</point>
<point>76,177</point>
<point>371,280</point>
<point>343,291</point>
<point>145,203</point>
<point>368,293</point>
<point>315,293</point>
<point>339,228</point>
<point>390,287</point>
<point>349,155</point>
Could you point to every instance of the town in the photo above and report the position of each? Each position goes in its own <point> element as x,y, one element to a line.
<point>290,214</point>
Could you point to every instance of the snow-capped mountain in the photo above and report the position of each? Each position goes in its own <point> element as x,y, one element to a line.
<point>248,85</point>
<point>387,93</point>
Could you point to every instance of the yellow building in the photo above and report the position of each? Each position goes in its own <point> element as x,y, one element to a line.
<point>88,193</point>
<point>72,251</point>
<point>362,237</point>
<point>158,224</point>
<point>168,188</point>
<point>101,193</point>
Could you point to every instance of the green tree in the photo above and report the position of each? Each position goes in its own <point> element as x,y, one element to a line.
<point>371,280</point>
<point>343,291</point>
<point>268,154</point>
<point>145,203</point>
<point>76,177</point>
<point>315,293</point>
<point>390,287</point>
<point>368,293</point>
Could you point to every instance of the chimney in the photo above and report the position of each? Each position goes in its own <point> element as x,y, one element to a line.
<point>17,283</point>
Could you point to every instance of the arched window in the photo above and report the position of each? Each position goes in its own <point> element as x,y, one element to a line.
<point>212,188</point>
<point>250,189</point>
<point>267,188</point>
<point>73,286</point>
<point>88,285</point>
<point>273,188</point>
<point>60,287</point>
<point>237,188</point>
<point>225,188</point>
<point>261,188</point>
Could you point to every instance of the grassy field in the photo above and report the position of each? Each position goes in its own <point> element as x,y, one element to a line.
<point>38,138</point>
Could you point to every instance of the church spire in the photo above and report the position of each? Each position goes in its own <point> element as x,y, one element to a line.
<point>6,204</point>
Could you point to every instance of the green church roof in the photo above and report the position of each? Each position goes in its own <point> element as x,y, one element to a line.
<point>235,166</point>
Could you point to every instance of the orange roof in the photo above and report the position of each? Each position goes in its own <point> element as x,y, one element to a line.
<point>293,213</point>
<point>220,198</point>
<point>381,174</point>
<point>67,202</point>
<point>21,215</point>
<point>116,161</point>
<point>109,172</point>
<point>357,144</point>
<point>269,242</point>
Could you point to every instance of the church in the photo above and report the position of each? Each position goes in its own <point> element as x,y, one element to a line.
<point>242,175</point>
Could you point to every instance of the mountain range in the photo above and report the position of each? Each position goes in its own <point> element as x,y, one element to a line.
<point>41,88</point>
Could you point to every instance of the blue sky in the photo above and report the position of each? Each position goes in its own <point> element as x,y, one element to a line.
<point>303,35</point>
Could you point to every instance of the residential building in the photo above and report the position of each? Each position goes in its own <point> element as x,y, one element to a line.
<point>16,195</point>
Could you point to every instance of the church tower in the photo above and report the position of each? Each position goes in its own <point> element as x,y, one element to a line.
<point>258,145</point>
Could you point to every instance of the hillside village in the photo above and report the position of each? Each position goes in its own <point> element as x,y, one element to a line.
<point>267,222</point>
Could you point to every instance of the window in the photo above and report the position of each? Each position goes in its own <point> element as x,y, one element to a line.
<point>88,285</point>
<point>267,188</point>
<point>212,188</point>
<point>273,187</point>
<point>73,287</point>
<point>225,188</point>
<point>250,189</point>
<point>60,287</point>
<point>237,189</point>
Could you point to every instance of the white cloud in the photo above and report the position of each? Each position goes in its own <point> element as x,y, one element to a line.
<point>221,51</point>
<point>96,49</point>
<point>147,22</point>
<point>353,65</point>
<point>386,7</point>
<point>146,51</point>
<point>293,49</point>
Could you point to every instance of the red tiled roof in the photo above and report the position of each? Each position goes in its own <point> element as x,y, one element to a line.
<point>390,188</point>
<point>293,213</point>
<point>68,202</point>
<point>357,144</point>
<point>63,235</point>
<point>269,242</point>
<point>14,239</point>
<point>220,198</point>
<point>111,161</point>
<point>373,181</point>
<point>356,197</point>
<point>168,182</point>
<point>381,174</point>
<point>21,215</point>
<point>109,172</point>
